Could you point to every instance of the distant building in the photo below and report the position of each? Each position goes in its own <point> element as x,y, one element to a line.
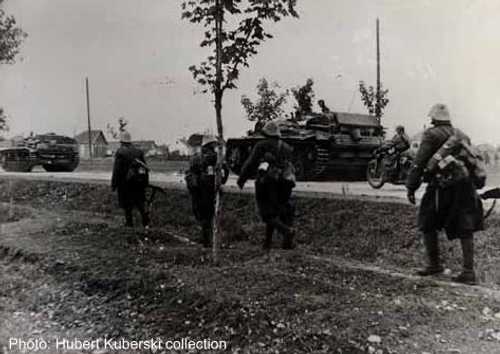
<point>149,148</point>
<point>98,141</point>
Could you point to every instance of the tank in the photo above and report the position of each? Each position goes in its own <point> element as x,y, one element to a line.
<point>327,146</point>
<point>55,153</point>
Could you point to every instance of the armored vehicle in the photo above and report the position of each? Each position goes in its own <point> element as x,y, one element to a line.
<point>56,153</point>
<point>333,145</point>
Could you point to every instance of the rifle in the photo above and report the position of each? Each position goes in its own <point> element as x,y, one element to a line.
<point>491,194</point>
<point>151,199</point>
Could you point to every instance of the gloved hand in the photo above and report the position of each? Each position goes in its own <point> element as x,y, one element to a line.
<point>240,183</point>
<point>411,197</point>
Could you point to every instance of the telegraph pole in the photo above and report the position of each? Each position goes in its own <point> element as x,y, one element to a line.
<point>377,101</point>
<point>88,116</point>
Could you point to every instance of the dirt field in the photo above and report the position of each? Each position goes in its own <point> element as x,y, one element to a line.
<point>68,269</point>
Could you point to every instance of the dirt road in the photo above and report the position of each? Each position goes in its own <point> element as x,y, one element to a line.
<point>176,180</point>
<point>68,269</point>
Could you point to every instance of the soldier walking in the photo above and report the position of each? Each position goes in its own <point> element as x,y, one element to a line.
<point>130,178</point>
<point>270,158</point>
<point>200,180</point>
<point>456,208</point>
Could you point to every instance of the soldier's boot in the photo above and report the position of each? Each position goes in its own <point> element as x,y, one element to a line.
<point>268,241</point>
<point>468,276</point>
<point>284,230</point>
<point>288,243</point>
<point>432,250</point>
<point>144,216</point>
<point>129,219</point>
<point>206,234</point>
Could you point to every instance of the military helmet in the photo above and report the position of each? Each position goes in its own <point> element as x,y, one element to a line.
<point>439,113</point>
<point>125,137</point>
<point>208,139</point>
<point>271,129</point>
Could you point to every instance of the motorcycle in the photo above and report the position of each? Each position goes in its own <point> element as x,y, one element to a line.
<point>385,167</point>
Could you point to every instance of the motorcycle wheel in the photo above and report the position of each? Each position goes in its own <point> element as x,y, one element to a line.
<point>375,174</point>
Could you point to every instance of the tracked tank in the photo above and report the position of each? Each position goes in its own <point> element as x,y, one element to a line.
<point>327,146</point>
<point>55,153</point>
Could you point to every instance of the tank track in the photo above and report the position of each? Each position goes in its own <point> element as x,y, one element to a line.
<point>321,163</point>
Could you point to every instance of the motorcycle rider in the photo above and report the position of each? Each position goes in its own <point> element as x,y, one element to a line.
<point>401,143</point>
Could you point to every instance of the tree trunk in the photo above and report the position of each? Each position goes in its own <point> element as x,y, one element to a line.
<point>220,133</point>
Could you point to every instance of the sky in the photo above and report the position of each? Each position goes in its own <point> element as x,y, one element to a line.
<point>136,54</point>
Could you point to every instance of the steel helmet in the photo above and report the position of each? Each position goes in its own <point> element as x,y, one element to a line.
<point>439,113</point>
<point>125,137</point>
<point>271,129</point>
<point>208,139</point>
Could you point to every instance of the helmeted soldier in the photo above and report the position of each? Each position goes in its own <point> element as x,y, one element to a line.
<point>270,158</point>
<point>130,178</point>
<point>401,143</point>
<point>324,108</point>
<point>456,208</point>
<point>200,180</point>
<point>400,140</point>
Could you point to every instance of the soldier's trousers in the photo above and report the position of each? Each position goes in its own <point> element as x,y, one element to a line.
<point>129,218</point>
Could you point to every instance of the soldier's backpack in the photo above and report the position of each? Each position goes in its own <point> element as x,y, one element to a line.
<point>455,161</point>
<point>138,174</point>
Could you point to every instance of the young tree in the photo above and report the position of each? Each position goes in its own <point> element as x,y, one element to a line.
<point>234,29</point>
<point>375,105</point>
<point>304,95</point>
<point>269,105</point>
<point>11,37</point>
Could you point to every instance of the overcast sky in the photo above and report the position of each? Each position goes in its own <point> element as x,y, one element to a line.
<point>136,54</point>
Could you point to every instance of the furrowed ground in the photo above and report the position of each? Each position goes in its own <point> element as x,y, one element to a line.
<point>69,269</point>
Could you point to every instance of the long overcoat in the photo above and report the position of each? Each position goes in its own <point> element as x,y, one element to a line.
<point>457,209</point>
<point>129,195</point>
<point>200,180</point>
<point>272,195</point>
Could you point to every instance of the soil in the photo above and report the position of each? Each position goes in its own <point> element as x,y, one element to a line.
<point>68,268</point>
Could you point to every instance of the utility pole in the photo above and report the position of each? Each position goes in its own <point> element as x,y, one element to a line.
<point>88,117</point>
<point>377,100</point>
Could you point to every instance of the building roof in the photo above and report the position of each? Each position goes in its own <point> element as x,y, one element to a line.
<point>83,138</point>
<point>145,145</point>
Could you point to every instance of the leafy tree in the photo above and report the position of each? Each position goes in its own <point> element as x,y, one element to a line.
<point>375,105</point>
<point>3,120</point>
<point>269,105</point>
<point>234,29</point>
<point>11,38</point>
<point>304,95</point>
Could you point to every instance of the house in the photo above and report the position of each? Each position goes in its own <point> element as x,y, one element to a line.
<point>149,148</point>
<point>98,141</point>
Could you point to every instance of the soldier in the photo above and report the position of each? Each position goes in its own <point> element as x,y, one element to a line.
<point>400,140</point>
<point>401,143</point>
<point>200,180</point>
<point>130,178</point>
<point>323,106</point>
<point>273,185</point>
<point>455,208</point>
